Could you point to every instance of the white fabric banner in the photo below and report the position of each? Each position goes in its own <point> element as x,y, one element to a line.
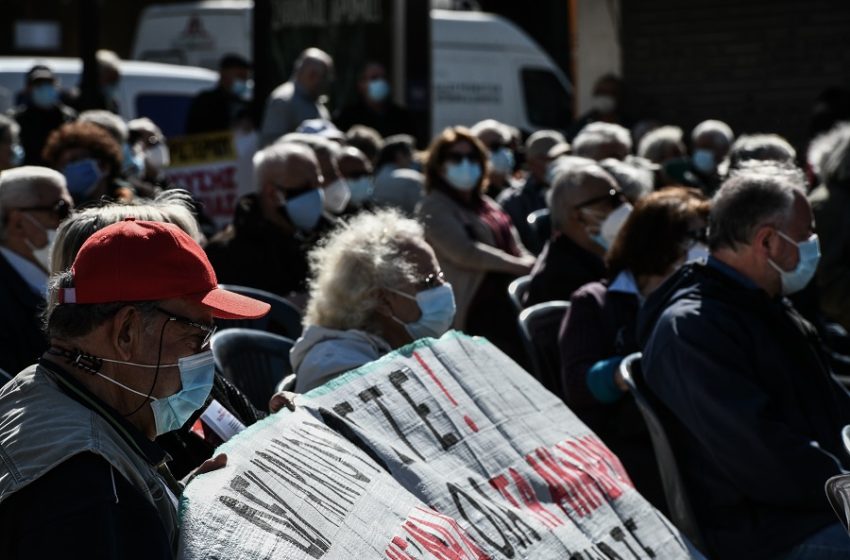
<point>444,449</point>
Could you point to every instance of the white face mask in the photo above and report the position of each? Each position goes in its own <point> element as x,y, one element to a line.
<point>337,195</point>
<point>42,254</point>
<point>604,103</point>
<point>158,156</point>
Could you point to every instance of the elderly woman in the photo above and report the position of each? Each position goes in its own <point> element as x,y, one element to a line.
<point>376,287</point>
<point>475,241</point>
<point>665,229</point>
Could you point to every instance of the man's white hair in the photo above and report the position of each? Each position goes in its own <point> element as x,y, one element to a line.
<point>656,143</point>
<point>598,134</point>
<point>108,121</point>
<point>829,154</point>
<point>719,132</point>
<point>108,60</point>
<point>19,188</point>
<point>366,254</point>
<point>492,125</point>
<point>635,182</point>
<point>277,155</point>
<point>761,147</point>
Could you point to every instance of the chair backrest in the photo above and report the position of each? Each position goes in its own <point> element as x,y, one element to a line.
<point>4,376</point>
<point>540,224</point>
<point>517,290</point>
<point>678,502</point>
<point>837,491</point>
<point>283,317</point>
<point>255,361</point>
<point>538,327</point>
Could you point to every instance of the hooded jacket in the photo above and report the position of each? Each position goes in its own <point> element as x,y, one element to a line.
<point>750,407</point>
<point>322,354</point>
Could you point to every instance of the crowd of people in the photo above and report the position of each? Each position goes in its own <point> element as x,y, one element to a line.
<point>702,251</point>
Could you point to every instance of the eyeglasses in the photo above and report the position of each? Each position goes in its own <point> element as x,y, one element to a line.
<point>613,197</point>
<point>61,209</point>
<point>432,280</point>
<point>207,329</point>
<point>457,157</point>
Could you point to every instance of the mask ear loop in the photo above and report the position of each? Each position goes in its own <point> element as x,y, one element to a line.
<point>156,372</point>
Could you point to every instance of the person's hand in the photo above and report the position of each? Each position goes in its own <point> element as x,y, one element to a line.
<point>282,399</point>
<point>217,462</point>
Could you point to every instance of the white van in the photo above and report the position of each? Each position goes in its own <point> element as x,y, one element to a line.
<point>161,92</point>
<point>484,66</point>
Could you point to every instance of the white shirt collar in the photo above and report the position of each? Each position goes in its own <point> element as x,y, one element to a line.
<point>31,273</point>
<point>625,282</point>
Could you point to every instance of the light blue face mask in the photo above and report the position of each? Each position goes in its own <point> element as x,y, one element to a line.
<point>196,378</point>
<point>704,162</point>
<point>45,96</point>
<point>502,161</point>
<point>304,210</point>
<point>437,305</point>
<point>378,90</point>
<point>82,177</point>
<point>463,176</point>
<point>241,89</point>
<point>133,163</point>
<point>361,189</point>
<point>18,155</point>
<point>795,280</point>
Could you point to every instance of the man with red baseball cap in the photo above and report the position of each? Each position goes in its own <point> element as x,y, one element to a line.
<point>128,360</point>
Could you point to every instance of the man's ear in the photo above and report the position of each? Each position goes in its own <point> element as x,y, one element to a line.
<point>126,332</point>
<point>763,240</point>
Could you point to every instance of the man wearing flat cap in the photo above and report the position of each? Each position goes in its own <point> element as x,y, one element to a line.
<point>80,474</point>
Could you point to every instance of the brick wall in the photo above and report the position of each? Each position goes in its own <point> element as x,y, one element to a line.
<point>757,64</point>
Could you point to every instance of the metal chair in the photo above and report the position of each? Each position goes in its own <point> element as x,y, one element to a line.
<point>255,361</point>
<point>538,327</point>
<point>283,318</point>
<point>678,503</point>
<point>540,224</point>
<point>517,290</point>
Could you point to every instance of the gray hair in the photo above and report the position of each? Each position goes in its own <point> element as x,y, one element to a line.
<point>762,147</point>
<point>568,180</point>
<point>108,121</point>
<point>657,142</point>
<point>754,195</point>
<point>635,182</point>
<point>276,155</point>
<point>719,132</point>
<point>829,155</point>
<point>10,127</point>
<point>598,134</point>
<point>17,188</point>
<point>313,56</point>
<point>352,264</point>
<point>108,60</point>
<point>492,125</point>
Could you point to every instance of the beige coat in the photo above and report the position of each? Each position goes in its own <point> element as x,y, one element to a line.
<point>465,248</point>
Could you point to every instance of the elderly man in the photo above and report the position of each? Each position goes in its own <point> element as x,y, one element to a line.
<point>374,106</point>
<point>752,409</point>
<point>710,143</point>
<point>273,229</point>
<point>587,209</point>
<point>602,140</point>
<point>299,99</point>
<point>531,195</point>
<point>128,361</point>
<point>33,201</point>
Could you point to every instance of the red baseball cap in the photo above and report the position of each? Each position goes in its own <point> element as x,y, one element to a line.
<point>149,261</point>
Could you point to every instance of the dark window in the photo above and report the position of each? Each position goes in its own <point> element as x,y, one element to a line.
<point>547,103</point>
<point>167,110</point>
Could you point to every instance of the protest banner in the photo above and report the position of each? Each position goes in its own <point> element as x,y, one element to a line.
<point>443,449</point>
<point>213,168</point>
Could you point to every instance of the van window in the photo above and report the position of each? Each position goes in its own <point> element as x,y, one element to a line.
<point>167,110</point>
<point>547,103</point>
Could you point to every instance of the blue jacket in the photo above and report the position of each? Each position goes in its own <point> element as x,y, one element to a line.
<point>753,413</point>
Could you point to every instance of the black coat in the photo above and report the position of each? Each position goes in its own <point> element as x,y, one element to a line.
<point>562,268</point>
<point>752,411</point>
<point>214,110</point>
<point>22,341</point>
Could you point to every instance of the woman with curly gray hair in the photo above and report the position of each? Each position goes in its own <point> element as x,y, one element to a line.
<point>376,286</point>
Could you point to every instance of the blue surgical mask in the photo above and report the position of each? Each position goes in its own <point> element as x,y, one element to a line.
<point>196,379</point>
<point>133,163</point>
<point>703,161</point>
<point>437,305</point>
<point>82,177</point>
<point>304,210</point>
<point>463,176</point>
<point>378,90</point>
<point>795,280</point>
<point>18,155</point>
<point>45,96</point>
<point>361,189</point>
<point>502,161</point>
<point>241,89</point>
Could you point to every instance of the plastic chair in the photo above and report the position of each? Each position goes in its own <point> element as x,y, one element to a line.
<point>540,224</point>
<point>517,290</point>
<point>283,318</point>
<point>678,503</point>
<point>837,491</point>
<point>538,327</point>
<point>255,361</point>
